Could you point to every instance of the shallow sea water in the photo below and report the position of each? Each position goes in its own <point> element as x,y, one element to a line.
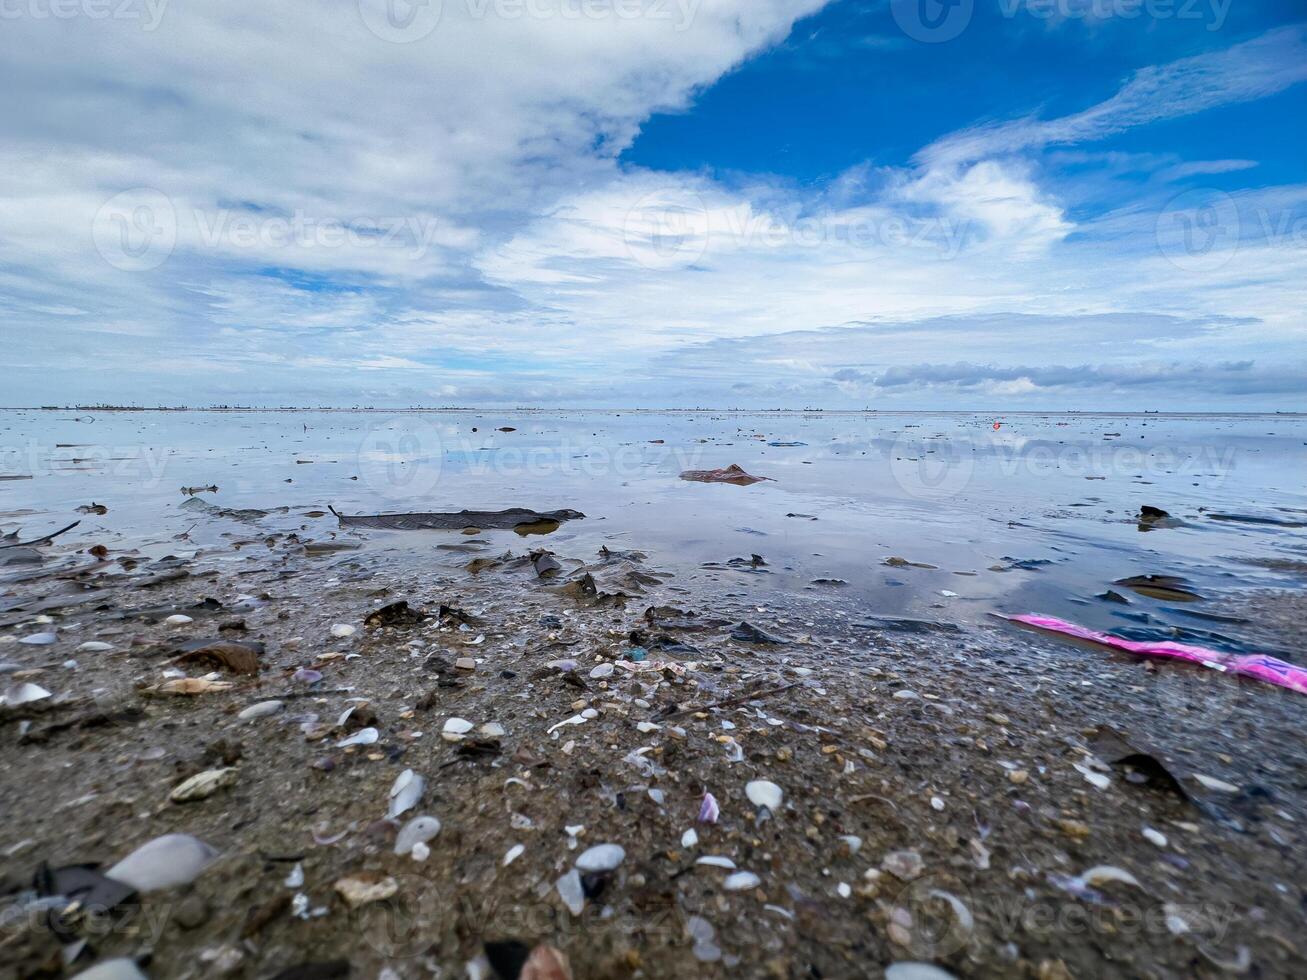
<point>1018,512</point>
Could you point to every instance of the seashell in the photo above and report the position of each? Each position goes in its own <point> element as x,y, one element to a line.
<point>741,880</point>
<point>716,862</point>
<point>405,792</point>
<point>38,639</point>
<point>492,729</point>
<point>763,793</point>
<point>165,862</point>
<point>601,671</point>
<point>709,811</point>
<point>342,630</point>
<point>904,865</point>
<point>514,852</point>
<point>417,831</point>
<point>455,729</point>
<point>601,857</point>
<point>262,709</point>
<point>916,971</point>
<point>95,646</point>
<point>364,889</point>
<point>177,619</point>
<point>24,693</point>
<point>690,839</point>
<point>1104,873</point>
<point>364,736</point>
<point>571,891</point>
<point>203,784</point>
<point>116,969</point>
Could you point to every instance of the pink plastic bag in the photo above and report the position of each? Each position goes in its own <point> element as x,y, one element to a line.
<point>1258,665</point>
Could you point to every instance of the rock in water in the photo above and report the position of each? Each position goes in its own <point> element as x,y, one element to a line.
<point>165,862</point>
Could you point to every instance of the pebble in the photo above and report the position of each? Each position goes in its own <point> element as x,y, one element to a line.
<point>601,857</point>
<point>192,912</point>
<point>38,639</point>
<point>342,630</point>
<point>203,784</point>
<point>906,695</point>
<point>1155,836</point>
<point>177,619</point>
<point>1018,776</point>
<point>466,663</point>
<point>95,646</point>
<point>514,852</point>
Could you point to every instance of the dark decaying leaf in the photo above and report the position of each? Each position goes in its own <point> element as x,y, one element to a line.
<point>489,520</point>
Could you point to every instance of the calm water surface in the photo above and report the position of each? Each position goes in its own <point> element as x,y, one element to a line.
<point>1034,514</point>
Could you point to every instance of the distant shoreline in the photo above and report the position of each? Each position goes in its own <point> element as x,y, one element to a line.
<point>457,409</point>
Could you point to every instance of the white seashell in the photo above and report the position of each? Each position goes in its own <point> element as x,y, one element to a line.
<point>420,852</point>
<point>602,670</point>
<point>514,852</point>
<point>916,971</point>
<point>38,639</point>
<point>601,857</point>
<point>1214,784</point>
<point>165,862</point>
<point>1095,779</point>
<point>904,865</point>
<point>1155,836</point>
<point>906,695</point>
<point>118,969</point>
<point>342,630</point>
<point>261,710</point>
<point>716,862</point>
<point>405,793</point>
<point>852,842</point>
<point>689,839</point>
<point>364,891</point>
<point>24,693</point>
<point>574,720</point>
<point>645,727</point>
<point>457,728</point>
<point>1105,873</point>
<point>95,646</point>
<point>364,736</point>
<point>590,714</point>
<point>571,891</point>
<point>203,784</point>
<point>177,619</point>
<point>492,729</point>
<point>417,831</point>
<point>763,793</point>
<point>296,877</point>
<point>741,880</point>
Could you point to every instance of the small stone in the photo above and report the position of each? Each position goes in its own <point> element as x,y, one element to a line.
<point>689,839</point>
<point>95,646</point>
<point>192,912</point>
<point>342,630</point>
<point>466,663</point>
<point>38,639</point>
<point>999,719</point>
<point>262,709</point>
<point>907,695</point>
<point>1155,836</point>
<point>1075,829</point>
<point>1018,776</point>
<point>177,619</point>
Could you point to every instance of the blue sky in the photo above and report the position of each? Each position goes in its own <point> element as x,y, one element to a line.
<point>754,203</point>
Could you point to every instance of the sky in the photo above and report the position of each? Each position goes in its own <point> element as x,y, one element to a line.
<point>887,204</point>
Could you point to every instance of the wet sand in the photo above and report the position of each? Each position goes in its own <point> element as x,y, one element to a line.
<point>946,795</point>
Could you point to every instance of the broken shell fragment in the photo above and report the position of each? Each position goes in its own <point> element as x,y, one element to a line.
<point>741,880</point>
<point>364,736</point>
<point>364,889</point>
<point>262,709</point>
<point>342,630</point>
<point>203,784</point>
